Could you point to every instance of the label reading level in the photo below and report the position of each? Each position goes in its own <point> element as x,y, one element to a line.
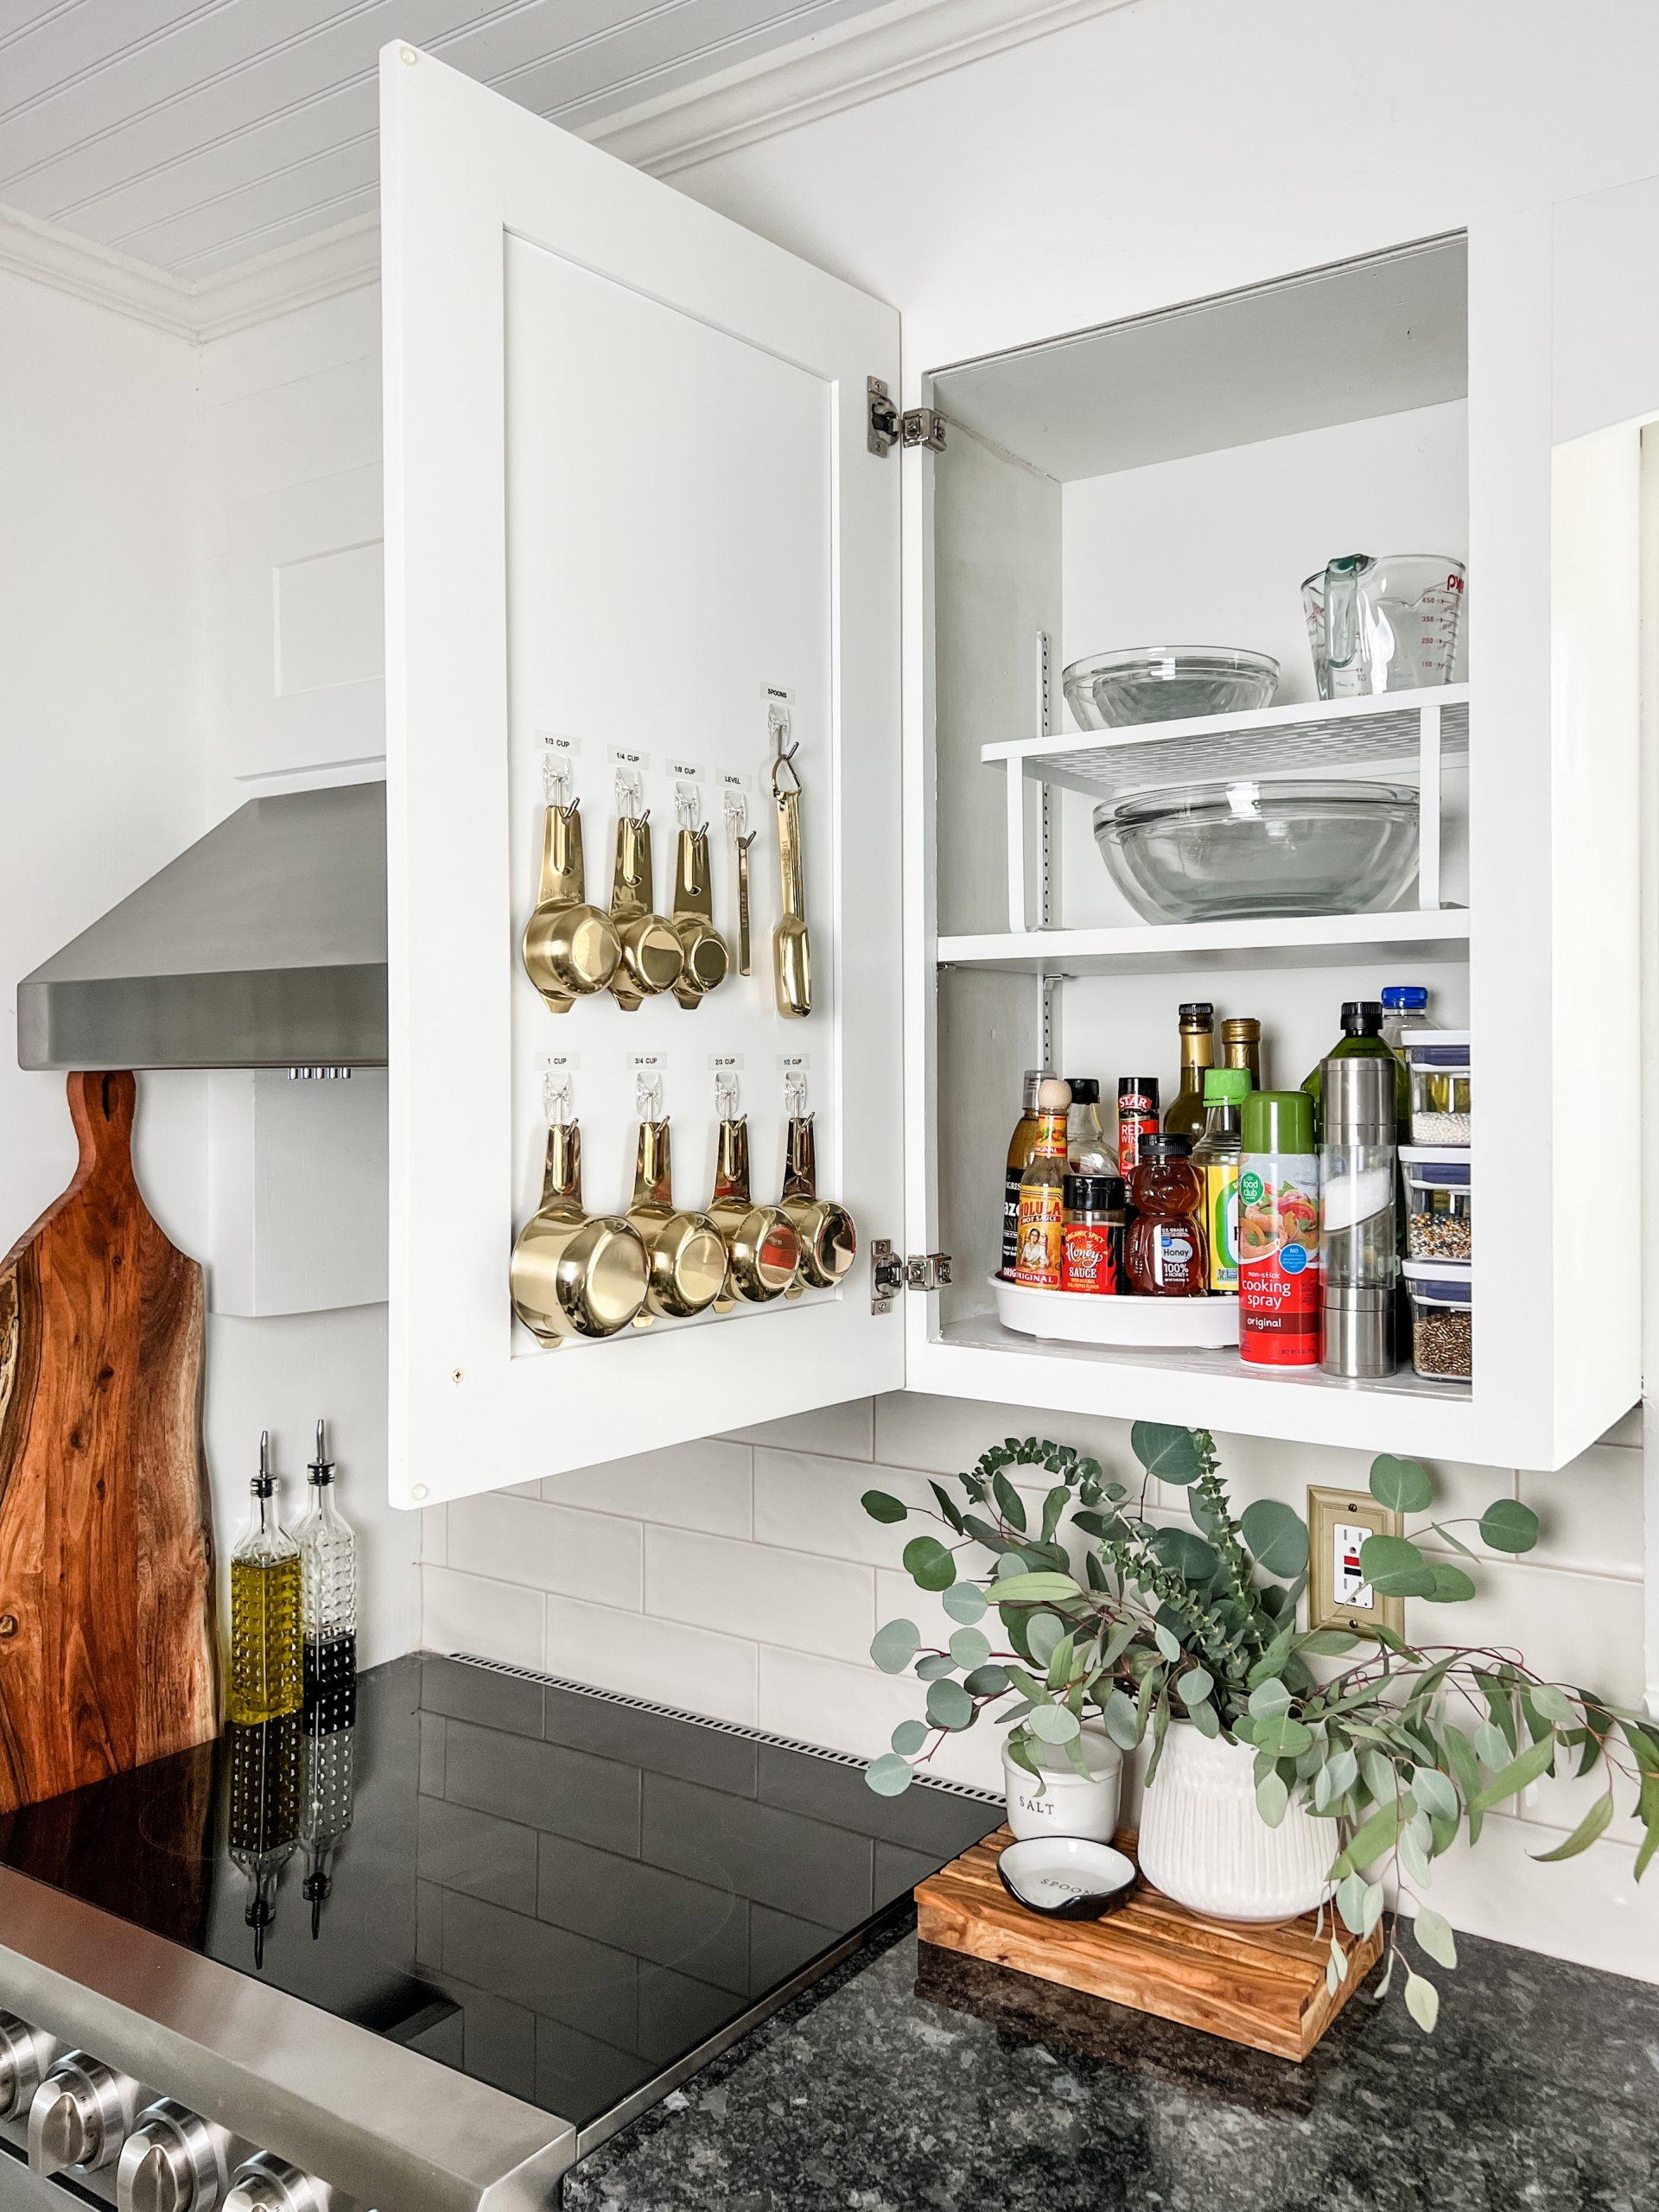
<point>719,1061</point>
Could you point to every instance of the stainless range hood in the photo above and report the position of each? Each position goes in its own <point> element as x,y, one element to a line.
<point>264,945</point>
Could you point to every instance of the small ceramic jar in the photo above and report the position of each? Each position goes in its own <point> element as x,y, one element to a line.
<point>1066,1804</point>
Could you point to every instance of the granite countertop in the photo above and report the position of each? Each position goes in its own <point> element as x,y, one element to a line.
<point>983,2090</point>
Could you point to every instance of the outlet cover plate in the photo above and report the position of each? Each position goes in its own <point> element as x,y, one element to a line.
<point>1338,1522</point>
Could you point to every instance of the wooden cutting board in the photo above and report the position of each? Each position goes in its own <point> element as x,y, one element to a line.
<point>107,1650</point>
<point>1261,1986</point>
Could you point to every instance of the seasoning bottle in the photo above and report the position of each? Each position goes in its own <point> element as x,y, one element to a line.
<point>264,1608</point>
<point>1405,1006</point>
<point>1279,1303</point>
<point>1185,1115</point>
<point>1137,1117</point>
<point>1240,1046</point>
<point>1358,1230</point>
<point>1216,1156</point>
<point>1091,1255</point>
<point>1042,1192</point>
<point>1163,1244</point>
<point>1362,1038</point>
<point>1087,1150</point>
<point>1019,1150</point>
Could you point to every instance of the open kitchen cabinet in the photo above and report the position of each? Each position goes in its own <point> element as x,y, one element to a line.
<point>639,483</point>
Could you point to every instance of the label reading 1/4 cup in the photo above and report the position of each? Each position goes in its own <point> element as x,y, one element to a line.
<point>627,756</point>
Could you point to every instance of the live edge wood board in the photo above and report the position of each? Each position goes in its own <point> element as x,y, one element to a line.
<point>107,1653</point>
<point>1263,1987</point>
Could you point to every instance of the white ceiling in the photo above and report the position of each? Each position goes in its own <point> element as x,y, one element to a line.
<point>194,135</point>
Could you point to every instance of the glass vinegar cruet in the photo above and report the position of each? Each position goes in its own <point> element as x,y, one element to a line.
<point>328,1593</point>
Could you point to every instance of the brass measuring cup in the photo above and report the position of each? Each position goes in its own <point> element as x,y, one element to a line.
<point>651,958</point>
<point>707,960</point>
<point>576,1273</point>
<point>687,1253</point>
<point>762,1249</point>
<point>570,948</point>
<point>829,1238</point>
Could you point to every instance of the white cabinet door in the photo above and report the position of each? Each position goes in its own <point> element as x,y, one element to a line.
<point>627,491</point>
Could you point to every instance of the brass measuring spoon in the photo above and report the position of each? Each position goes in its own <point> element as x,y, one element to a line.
<point>707,962</point>
<point>570,948</point>
<point>576,1273</point>
<point>652,960</point>
<point>686,1251</point>
<point>737,815</point>
<point>791,945</point>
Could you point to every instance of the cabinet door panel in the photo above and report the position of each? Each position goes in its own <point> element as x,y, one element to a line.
<point>627,493</point>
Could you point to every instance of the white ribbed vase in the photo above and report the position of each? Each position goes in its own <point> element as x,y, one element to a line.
<point>1204,1844</point>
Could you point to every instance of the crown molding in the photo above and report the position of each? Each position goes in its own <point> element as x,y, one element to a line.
<point>862,59</point>
<point>872,55</point>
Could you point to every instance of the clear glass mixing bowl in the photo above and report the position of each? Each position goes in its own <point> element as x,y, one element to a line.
<point>1237,849</point>
<point>1163,683</point>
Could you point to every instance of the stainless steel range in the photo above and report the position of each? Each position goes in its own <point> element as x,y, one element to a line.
<point>420,1960</point>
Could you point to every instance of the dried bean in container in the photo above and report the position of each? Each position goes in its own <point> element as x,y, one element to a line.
<point>1443,1343</point>
<point>1439,1236</point>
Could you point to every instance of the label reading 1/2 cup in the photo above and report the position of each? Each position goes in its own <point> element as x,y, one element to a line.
<point>1279,1276</point>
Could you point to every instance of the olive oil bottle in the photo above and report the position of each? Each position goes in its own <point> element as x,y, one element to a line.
<point>265,1581</point>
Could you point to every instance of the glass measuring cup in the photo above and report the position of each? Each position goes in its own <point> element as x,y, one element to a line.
<point>1384,624</point>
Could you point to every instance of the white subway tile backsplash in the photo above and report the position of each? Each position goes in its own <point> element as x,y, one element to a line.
<point>1590,1908</point>
<point>810,1504</point>
<point>778,1597</point>
<point>642,1658</point>
<point>848,1431</point>
<point>516,1539</point>
<point>493,1620</point>
<point>1589,1513</point>
<point>857,1708</point>
<point>702,1485</point>
<point>946,1435</point>
<point>435,1535</point>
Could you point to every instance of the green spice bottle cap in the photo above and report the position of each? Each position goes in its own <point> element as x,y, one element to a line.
<point>1226,1086</point>
<point>1278,1120</point>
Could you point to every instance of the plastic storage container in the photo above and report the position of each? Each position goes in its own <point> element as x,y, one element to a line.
<point>1439,1217</point>
<point>1442,1319</point>
<point>1439,1061</point>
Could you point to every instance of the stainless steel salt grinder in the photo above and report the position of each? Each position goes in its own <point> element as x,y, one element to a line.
<point>1358,1223</point>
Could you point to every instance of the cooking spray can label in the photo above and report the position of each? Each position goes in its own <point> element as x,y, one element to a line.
<point>1279,1288</point>
<point>1221,1214</point>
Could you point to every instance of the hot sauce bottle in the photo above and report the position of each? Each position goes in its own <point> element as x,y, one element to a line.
<point>1091,1257</point>
<point>1020,1151</point>
<point>1137,1117</point>
<point>1042,1193</point>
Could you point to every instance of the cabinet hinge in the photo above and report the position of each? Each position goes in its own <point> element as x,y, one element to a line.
<point>916,426</point>
<point>892,1272</point>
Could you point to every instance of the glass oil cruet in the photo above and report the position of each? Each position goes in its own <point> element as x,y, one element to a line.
<point>829,1239</point>
<point>265,1677</point>
<point>329,1594</point>
<point>264,1813</point>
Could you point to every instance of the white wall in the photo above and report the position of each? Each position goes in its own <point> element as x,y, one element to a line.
<point>739,1576</point>
<point>118,491</point>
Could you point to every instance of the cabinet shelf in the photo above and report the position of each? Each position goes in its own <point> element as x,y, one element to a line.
<point>1162,948</point>
<point>1207,1389</point>
<point>1384,733</point>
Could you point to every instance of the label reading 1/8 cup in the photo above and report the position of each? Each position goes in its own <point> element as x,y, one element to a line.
<point>687,771</point>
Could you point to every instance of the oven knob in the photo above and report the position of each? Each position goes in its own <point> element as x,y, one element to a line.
<point>78,2115</point>
<point>25,2054</point>
<point>170,2163</point>
<point>265,2184</point>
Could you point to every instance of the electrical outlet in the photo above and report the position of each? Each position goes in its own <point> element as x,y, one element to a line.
<point>1338,1596</point>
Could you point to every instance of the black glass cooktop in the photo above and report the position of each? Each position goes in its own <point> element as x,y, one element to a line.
<point>561,1893</point>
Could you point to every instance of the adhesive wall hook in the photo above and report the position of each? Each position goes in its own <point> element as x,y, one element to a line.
<point>648,1094</point>
<point>725,1094</point>
<point>558,780</point>
<point>558,1097</point>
